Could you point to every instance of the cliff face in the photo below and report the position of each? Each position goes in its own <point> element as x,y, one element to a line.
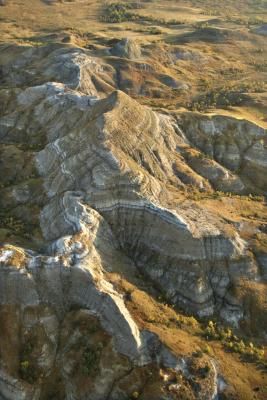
<point>239,145</point>
<point>93,186</point>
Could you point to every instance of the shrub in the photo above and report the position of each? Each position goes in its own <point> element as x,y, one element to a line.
<point>91,359</point>
<point>27,371</point>
<point>207,350</point>
<point>231,342</point>
<point>210,331</point>
<point>154,30</point>
<point>119,12</point>
<point>218,98</point>
<point>198,353</point>
<point>24,365</point>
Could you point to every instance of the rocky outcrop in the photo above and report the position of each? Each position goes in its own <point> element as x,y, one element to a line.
<point>126,48</point>
<point>60,300</point>
<point>68,322</point>
<point>101,178</point>
<point>101,159</point>
<point>238,145</point>
<point>261,30</point>
<point>75,67</point>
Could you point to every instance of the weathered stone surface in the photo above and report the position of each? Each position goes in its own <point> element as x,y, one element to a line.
<point>53,305</point>
<point>73,66</point>
<point>238,145</point>
<point>97,157</point>
<point>261,30</point>
<point>126,48</point>
<point>101,178</point>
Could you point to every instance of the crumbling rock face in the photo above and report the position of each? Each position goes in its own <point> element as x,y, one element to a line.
<point>102,176</point>
<point>238,145</point>
<point>72,336</point>
<point>98,157</point>
<point>126,48</point>
<point>75,67</point>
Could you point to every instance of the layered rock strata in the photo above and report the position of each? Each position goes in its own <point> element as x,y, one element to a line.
<point>101,178</point>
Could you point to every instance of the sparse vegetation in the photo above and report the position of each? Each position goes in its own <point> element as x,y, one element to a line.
<point>218,98</point>
<point>91,357</point>
<point>121,11</point>
<point>245,21</point>
<point>231,342</point>
<point>260,242</point>
<point>28,371</point>
<point>12,223</point>
<point>229,74</point>
<point>154,30</point>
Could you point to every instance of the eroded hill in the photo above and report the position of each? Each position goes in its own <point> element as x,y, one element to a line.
<point>133,208</point>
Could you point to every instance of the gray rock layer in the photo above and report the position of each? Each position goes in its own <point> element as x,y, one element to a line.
<point>107,170</point>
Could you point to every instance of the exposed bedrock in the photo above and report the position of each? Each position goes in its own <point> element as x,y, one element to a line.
<point>97,152</point>
<point>193,272</point>
<point>121,170</point>
<point>126,48</point>
<point>93,72</point>
<point>72,336</point>
<point>118,157</point>
<point>77,68</point>
<point>238,145</point>
<point>102,179</point>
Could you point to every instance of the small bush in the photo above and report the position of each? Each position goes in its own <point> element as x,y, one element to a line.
<point>154,30</point>
<point>119,12</point>
<point>231,342</point>
<point>27,371</point>
<point>91,359</point>
<point>198,353</point>
<point>210,331</point>
<point>207,350</point>
<point>217,98</point>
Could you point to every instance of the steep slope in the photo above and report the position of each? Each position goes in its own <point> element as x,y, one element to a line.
<point>95,186</point>
<point>122,169</point>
